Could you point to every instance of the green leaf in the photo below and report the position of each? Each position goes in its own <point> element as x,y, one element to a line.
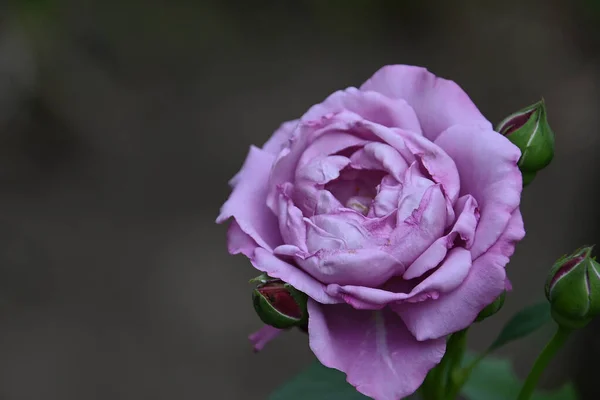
<point>318,382</point>
<point>522,324</point>
<point>494,379</point>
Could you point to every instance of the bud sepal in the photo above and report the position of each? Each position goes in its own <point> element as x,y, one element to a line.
<point>492,308</point>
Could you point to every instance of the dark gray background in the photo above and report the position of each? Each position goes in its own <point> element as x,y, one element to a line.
<point>121,122</point>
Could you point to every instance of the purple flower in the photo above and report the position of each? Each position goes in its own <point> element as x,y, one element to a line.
<point>395,208</point>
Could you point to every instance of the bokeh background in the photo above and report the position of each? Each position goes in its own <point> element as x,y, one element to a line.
<point>121,122</point>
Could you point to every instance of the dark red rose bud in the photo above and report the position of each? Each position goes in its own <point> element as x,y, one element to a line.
<point>279,304</point>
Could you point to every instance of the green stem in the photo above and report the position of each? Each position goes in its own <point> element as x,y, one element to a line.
<point>452,385</point>
<point>557,341</point>
<point>459,377</point>
<point>436,383</point>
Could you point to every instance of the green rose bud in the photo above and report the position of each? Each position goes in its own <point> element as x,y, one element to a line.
<point>529,130</point>
<point>492,308</point>
<point>573,289</point>
<point>279,304</point>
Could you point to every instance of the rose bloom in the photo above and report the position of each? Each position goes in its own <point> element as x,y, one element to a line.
<point>395,208</point>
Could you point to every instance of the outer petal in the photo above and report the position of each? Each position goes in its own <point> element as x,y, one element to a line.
<point>438,103</point>
<point>280,138</point>
<point>265,261</point>
<point>263,336</point>
<point>375,350</point>
<point>277,142</point>
<point>487,163</point>
<point>458,309</point>
<point>372,106</point>
<point>247,202</point>
<point>239,242</point>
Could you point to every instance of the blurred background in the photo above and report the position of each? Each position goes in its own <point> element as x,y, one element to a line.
<point>121,122</point>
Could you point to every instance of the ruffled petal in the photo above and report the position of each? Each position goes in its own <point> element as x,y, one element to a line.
<point>291,222</point>
<point>438,103</point>
<point>311,140</point>
<point>421,229</point>
<point>450,274</point>
<point>457,309</point>
<point>464,228</point>
<point>380,156</point>
<point>280,139</point>
<point>372,106</point>
<point>367,266</point>
<point>265,261</point>
<point>247,201</point>
<point>308,193</point>
<point>487,164</point>
<point>438,164</point>
<point>387,198</point>
<point>374,349</point>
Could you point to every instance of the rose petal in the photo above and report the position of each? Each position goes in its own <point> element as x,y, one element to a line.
<point>291,223</point>
<point>464,227</point>
<point>265,261</point>
<point>414,186</point>
<point>438,164</point>
<point>380,156</point>
<point>390,136</point>
<point>458,309</point>
<point>374,349</point>
<point>263,336</point>
<point>386,201</point>
<point>308,193</point>
<point>238,241</point>
<point>368,266</point>
<point>247,201</point>
<point>450,274</point>
<point>487,163</point>
<point>417,232</point>
<point>438,103</point>
<point>280,139</point>
<point>346,225</point>
<point>371,106</point>
<point>321,170</point>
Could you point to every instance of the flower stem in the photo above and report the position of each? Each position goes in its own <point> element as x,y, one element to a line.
<point>436,383</point>
<point>557,341</point>
<point>457,345</point>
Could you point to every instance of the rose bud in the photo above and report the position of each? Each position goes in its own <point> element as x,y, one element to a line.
<point>573,289</point>
<point>530,131</point>
<point>280,305</point>
<point>492,308</point>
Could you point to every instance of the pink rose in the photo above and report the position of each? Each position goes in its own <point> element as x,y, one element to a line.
<point>395,208</point>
